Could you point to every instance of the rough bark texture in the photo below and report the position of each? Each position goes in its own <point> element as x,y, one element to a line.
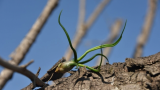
<point>141,73</point>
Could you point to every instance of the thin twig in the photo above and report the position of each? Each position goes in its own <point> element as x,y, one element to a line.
<point>143,37</point>
<point>26,65</point>
<point>115,29</point>
<point>50,75</point>
<point>50,78</point>
<point>38,71</point>
<point>20,52</point>
<point>84,27</point>
<point>23,71</point>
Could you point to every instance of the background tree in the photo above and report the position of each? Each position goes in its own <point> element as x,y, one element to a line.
<point>17,17</point>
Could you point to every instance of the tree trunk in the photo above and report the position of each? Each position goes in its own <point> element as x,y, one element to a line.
<point>141,73</point>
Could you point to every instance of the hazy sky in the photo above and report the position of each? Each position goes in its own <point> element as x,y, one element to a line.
<point>18,16</point>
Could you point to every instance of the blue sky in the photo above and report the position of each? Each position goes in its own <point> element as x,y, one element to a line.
<point>18,16</point>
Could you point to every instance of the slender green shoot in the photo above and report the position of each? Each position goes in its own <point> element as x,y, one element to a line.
<point>103,46</point>
<point>95,70</point>
<point>69,40</point>
<point>83,62</point>
<point>101,59</point>
<point>68,65</point>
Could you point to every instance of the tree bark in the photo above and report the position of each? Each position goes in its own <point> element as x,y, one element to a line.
<point>141,73</point>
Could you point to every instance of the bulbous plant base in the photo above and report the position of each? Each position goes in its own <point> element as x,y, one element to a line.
<point>134,74</point>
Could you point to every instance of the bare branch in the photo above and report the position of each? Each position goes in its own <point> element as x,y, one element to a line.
<point>50,75</point>
<point>26,65</point>
<point>34,83</point>
<point>81,12</point>
<point>113,35</point>
<point>23,71</point>
<point>143,37</point>
<point>18,55</point>
<point>38,71</point>
<point>82,26</point>
<point>95,14</point>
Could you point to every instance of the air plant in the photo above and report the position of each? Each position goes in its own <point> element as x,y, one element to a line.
<point>68,65</point>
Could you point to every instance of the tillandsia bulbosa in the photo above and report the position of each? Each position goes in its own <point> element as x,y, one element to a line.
<point>68,65</point>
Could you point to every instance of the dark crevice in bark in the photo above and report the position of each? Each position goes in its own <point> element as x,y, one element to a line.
<point>135,68</point>
<point>141,73</point>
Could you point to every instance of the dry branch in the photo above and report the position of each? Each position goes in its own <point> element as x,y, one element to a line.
<point>113,35</point>
<point>38,71</point>
<point>143,37</point>
<point>20,52</point>
<point>23,71</point>
<point>84,27</point>
<point>50,75</point>
<point>26,65</point>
